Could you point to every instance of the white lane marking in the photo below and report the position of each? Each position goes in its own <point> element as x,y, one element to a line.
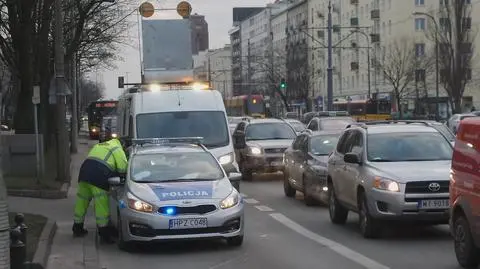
<point>263,208</point>
<point>250,201</point>
<point>243,195</point>
<point>337,247</point>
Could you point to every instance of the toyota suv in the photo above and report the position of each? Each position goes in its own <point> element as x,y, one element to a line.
<point>390,171</point>
<point>465,193</point>
<point>259,145</point>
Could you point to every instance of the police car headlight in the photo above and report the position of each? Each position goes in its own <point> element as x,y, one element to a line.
<point>231,200</point>
<point>226,159</point>
<point>139,205</point>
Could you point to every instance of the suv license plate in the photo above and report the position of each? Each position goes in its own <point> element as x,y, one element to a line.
<point>434,204</point>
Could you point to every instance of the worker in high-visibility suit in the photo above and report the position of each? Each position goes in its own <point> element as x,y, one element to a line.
<point>104,160</point>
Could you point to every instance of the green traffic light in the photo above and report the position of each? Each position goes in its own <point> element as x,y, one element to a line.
<point>282,85</point>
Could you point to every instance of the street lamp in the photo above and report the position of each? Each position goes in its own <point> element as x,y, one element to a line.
<point>436,60</point>
<point>368,58</point>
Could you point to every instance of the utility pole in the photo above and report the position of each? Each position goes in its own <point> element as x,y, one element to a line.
<point>330,67</point>
<point>209,68</point>
<point>248,67</point>
<point>63,160</point>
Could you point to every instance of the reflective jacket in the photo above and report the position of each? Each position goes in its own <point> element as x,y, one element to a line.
<point>104,160</point>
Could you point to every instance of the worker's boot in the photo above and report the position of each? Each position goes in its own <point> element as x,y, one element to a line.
<point>105,235</point>
<point>78,230</point>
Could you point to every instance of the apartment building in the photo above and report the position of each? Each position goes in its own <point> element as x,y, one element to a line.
<point>298,68</point>
<point>219,64</point>
<point>380,24</point>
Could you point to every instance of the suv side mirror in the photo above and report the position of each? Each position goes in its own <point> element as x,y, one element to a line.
<point>239,140</point>
<point>115,181</point>
<point>352,158</point>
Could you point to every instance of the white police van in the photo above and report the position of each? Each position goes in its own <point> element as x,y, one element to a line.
<point>178,110</point>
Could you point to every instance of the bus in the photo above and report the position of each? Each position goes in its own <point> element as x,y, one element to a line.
<point>245,105</point>
<point>366,109</point>
<point>96,111</point>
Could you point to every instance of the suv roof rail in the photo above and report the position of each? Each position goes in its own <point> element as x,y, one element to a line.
<point>427,123</point>
<point>172,140</point>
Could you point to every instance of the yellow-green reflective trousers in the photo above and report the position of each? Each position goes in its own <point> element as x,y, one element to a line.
<point>86,192</point>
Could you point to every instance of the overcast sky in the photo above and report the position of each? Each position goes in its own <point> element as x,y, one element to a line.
<point>218,14</point>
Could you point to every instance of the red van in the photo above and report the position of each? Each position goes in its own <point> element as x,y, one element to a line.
<point>465,193</point>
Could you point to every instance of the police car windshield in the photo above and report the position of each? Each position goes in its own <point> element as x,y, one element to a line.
<point>407,147</point>
<point>211,125</point>
<point>175,166</point>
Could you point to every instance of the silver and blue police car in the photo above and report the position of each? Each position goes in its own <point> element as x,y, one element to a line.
<point>175,189</point>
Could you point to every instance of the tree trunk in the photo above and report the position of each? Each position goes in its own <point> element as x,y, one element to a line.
<point>399,106</point>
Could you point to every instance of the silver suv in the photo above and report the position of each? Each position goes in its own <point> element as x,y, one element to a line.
<point>390,171</point>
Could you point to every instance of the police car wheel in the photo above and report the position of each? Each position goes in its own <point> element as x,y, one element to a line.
<point>235,241</point>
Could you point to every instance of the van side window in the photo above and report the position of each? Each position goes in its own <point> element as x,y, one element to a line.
<point>130,126</point>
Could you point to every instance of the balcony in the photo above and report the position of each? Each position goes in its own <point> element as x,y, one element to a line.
<point>354,2</point>
<point>354,21</point>
<point>375,14</point>
<point>375,38</point>
<point>354,66</point>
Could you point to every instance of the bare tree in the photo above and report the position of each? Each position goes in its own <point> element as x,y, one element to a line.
<point>455,37</point>
<point>402,66</point>
<point>91,91</point>
<point>272,65</point>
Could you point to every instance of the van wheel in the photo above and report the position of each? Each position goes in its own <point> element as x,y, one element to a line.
<point>287,188</point>
<point>468,255</point>
<point>369,227</point>
<point>338,213</point>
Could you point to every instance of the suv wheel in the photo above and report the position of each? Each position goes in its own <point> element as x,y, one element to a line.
<point>338,213</point>
<point>468,255</point>
<point>287,188</point>
<point>369,227</point>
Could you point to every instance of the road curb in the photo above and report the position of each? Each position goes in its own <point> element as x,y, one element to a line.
<point>44,247</point>
<point>43,194</point>
<point>90,251</point>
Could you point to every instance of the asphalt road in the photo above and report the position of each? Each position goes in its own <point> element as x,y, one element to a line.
<point>283,232</point>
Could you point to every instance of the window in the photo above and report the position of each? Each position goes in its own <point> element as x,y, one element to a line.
<point>298,142</point>
<point>405,147</point>
<point>211,125</point>
<point>341,145</point>
<point>419,24</point>
<point>175,166</point>
<point>322,145</point>
<point>420,49</point>
<point>269,131</point>
<point>419,2</point>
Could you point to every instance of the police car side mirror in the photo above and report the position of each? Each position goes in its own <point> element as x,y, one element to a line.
<point>115,181</point>
<point>234,177</point>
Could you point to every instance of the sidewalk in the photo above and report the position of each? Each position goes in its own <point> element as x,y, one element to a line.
<point>66,252</point>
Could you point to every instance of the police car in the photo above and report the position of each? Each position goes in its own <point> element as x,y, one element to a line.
<point>175,189</point>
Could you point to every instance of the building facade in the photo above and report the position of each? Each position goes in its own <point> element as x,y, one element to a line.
<point>200,40</point>
<point>219,71</point>
<point>237,62</point>
<point>380,26</point>
<point>297,62</point>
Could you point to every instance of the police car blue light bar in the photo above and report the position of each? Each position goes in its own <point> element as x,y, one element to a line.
<point>162,141</point>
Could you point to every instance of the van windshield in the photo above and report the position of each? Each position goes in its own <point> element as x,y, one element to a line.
<point>211,125</point>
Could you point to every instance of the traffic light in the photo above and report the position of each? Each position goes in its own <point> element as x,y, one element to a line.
<point>283,84</point>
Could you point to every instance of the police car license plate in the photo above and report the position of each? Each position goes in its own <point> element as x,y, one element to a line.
<point>434,204</point>
<point>193,223</point>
